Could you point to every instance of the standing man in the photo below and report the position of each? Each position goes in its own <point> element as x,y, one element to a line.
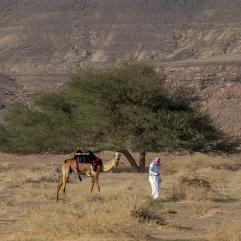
<point>154,173</point>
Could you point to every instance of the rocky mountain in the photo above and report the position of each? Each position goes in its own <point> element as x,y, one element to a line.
<point>42,42</point>
<point>219,88</point>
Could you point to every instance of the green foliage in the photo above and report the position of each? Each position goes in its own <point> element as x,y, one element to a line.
<point>3,138</point>
<point>125,106</point>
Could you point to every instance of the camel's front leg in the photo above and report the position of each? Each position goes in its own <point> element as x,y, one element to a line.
<point>79,176</point>
<point>64,188</point>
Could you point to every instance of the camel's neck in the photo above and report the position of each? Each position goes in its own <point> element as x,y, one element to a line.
<point>110,165</point>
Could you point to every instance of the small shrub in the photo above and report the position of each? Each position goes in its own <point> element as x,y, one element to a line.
<point>172,211</point>
<point>196,181</point>
<point>149,211</point>
<point>177,193</point>
<point>6,168</point>
<point>37,168</point>
<point>192,188</point>
<point>203,208</point>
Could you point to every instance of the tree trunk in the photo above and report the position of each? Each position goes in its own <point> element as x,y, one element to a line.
<point>142,161</point>
<point>130,158</point>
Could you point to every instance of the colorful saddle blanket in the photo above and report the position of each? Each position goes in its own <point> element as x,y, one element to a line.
<point>88,158</point>
<point>83,157</point>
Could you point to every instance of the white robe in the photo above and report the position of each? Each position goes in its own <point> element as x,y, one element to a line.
<point>154,180</point>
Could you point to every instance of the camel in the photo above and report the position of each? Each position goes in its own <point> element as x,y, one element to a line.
<point>85,169</point>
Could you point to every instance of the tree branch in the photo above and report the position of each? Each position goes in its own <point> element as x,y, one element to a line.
<point>130,158</point>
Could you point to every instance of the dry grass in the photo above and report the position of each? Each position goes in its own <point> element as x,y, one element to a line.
<point>204,208</point>
<point>215,171</point>
<point>97,216</point>
<point>81,216</point>
<point>123,211</point>
<point>191,188</point>
<point>195,162</point>
<point>176,193</point>
<point>229,232</point>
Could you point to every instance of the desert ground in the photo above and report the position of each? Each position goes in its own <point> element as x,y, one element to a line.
<point>200,200</point>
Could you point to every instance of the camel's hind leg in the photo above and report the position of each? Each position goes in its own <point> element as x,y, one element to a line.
<point>63,180</point>
<point>59,186</point>
<point>92,184</point>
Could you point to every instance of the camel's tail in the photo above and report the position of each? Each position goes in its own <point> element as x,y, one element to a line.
<point>70,169</point>
<point>65,161</point>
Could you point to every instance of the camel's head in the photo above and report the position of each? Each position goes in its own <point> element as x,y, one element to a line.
<point>117,156</point>
<point>116,160</point>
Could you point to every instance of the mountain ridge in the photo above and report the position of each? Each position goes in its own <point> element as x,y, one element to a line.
<point>43,42</point>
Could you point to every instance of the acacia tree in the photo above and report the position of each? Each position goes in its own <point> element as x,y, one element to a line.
<point>126,107</point>
<point>133,110</point>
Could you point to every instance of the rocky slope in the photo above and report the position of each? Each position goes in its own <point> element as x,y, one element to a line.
<point>219,88</point>
<point>58,35</point>
<point>42,42</point>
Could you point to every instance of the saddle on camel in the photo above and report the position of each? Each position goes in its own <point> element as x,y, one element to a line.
<point>88,157</point>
